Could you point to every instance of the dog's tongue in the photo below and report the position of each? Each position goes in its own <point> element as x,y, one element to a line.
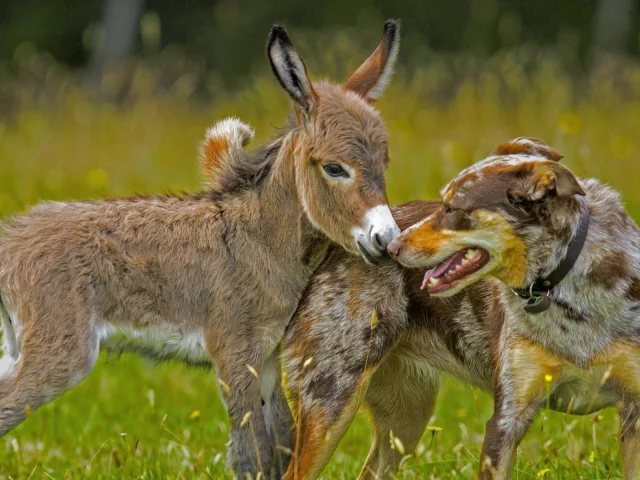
<point>440,269</point>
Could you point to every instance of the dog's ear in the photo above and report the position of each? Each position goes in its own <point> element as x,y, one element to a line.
<point>373,76</point>
<point>545,178</point>
<point>291,72</point>
<point>529,146</point>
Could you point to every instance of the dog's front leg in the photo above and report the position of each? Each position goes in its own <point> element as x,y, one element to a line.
<point>322,418</point>
<point>400,400</point>
<point>327,379</point>
<point>525,377</point>
<point>630,438</point>
<point>501,440</point>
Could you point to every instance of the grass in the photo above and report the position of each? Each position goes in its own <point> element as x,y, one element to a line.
<point>130,419</point>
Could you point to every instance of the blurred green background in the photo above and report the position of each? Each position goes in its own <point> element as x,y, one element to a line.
<point>112,97</point>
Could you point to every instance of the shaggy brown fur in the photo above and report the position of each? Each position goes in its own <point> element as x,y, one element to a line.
<point>209,278</point>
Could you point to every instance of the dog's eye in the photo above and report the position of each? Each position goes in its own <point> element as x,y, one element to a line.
<point>335,170</point>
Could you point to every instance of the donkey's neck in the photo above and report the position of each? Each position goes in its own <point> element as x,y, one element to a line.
<point>282,219</point>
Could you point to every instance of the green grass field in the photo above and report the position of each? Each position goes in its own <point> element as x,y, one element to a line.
<point>130,419</point>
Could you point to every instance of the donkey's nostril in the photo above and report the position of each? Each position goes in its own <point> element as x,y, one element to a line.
<point>378,242</point>
<point>394,248</point>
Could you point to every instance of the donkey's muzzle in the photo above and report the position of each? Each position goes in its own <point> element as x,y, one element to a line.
<point>378,230</point>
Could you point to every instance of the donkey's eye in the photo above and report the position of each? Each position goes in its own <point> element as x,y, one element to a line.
<point>335,170</point>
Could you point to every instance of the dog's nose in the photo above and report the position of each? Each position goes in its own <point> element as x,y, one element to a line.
<point>394,247</point>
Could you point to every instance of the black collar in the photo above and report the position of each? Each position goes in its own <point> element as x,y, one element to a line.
<point>537,295</point>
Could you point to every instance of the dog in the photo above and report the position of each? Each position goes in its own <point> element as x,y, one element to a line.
<point>384,336</point>
<point>569,249</point>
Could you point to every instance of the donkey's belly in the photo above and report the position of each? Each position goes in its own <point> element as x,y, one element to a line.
<point>158,343</point>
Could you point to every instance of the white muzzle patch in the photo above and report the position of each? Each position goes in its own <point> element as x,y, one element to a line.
<point>377,230</point>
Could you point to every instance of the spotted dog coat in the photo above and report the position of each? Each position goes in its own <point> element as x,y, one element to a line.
<point>521,208</point>
<point>515,215</point>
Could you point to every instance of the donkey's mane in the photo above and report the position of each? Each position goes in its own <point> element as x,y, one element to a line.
<point>255,167</point>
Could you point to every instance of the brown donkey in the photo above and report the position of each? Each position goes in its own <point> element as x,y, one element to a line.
<point>211,278</point>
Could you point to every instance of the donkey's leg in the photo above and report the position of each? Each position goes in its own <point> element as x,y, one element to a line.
<point>282,432</point>
<point>48,365</point>
<point>281,427</point>
<point>277,415</point>
<point>630,438</point>
<point>241,372</point>
<point>400,399</point>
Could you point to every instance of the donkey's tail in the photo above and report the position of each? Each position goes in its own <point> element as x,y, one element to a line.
<point>221,153</point>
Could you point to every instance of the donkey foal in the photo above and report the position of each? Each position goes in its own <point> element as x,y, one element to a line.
<point>210,278</point>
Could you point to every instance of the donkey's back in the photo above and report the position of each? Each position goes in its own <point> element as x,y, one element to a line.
<point>97,270</point>
<point>114,242</point>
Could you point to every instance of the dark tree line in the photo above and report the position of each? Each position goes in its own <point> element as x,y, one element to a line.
<point>229,34</point>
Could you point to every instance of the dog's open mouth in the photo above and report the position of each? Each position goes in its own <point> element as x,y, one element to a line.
<point>447,274</point>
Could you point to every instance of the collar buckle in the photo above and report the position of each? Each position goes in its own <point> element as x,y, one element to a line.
<point>538,303</point>
<point>538,300</point>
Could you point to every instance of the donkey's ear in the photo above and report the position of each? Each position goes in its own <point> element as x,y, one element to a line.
<point>529,146</point>
<point>291,72</point>
<point>374,74</point>
<point>546,177</point>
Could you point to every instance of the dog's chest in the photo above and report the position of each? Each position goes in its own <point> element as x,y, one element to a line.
<point>572,386</point>
<point>565,331</point>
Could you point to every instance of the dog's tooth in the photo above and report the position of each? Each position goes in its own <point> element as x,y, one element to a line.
<point>470,253</point>
<point>433,282</point>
